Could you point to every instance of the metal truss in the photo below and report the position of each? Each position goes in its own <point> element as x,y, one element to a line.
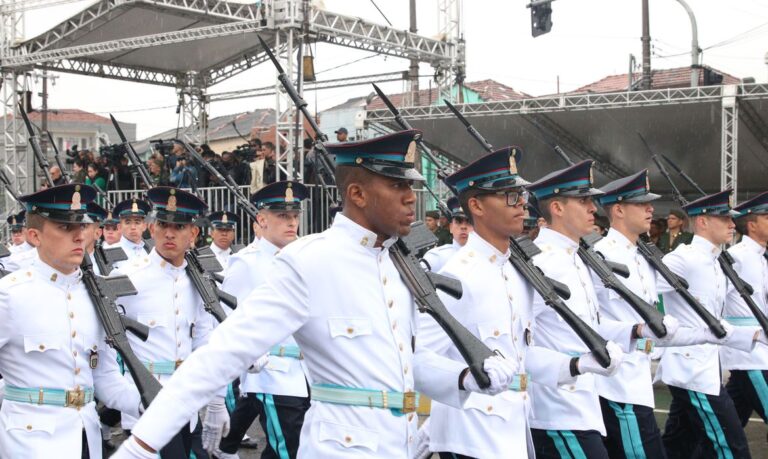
<point>15,160</point>
<point>27,5</point>
<point>194,109</point>
<point>103,70</point>
<point>568,102</point>
<point>314,85</point>
<point>729,147</point>
<point>286,134</point>
<point>754,123</point>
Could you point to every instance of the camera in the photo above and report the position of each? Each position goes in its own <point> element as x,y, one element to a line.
<point>245,152</point>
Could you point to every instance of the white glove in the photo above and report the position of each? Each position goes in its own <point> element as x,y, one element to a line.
<point>130,449</point>
<point>728,333</point>
<point>670,323</point>
<point>588,363</point>
<point>421,450</point>
<point>500,371</point>
<point>761,338</point>
<point>215,424</point>
<point>259,364</point>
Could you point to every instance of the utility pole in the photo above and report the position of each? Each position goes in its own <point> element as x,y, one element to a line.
<point>44,107</point>
<point>413,70</point>
<point>646,81</point>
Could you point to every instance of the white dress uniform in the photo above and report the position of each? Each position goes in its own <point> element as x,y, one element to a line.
<point>697,368</point>
<point>573,406</point>
<point>751,266</point>
<point>632,381</point>
<point>50,337</point>
<point>23,247</point>
<point>438,256</point>
<point>248,269</point>
<point>359,320</point>
<point>169,305</point>
<point>223,255</point>
<point>19,260</point>
<point>496,307</point>
<point>131,249</point>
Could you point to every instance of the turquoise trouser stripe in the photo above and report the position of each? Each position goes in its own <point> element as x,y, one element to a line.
<point>229,399</point>
<point>711,425</point>
<point>630,431</point>
<point>559,444</point>
<point>761,387</point>
<point>276,439</point>
<point>573,444</point>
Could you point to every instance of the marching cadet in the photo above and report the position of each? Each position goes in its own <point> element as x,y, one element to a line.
<point>18,233</point>
<point>568,417</point>
<point>747,385</point>
<point>276,388</point>
<point>53,353</point>
<point>339,294</point>
<point>460,227</point>
<point>111,230</point>
<point>702,415</point>
<point>223,226</point>
<point>132,214</point>
<point>167,302</point>
<point>496,306</point>
<point>97,214</point>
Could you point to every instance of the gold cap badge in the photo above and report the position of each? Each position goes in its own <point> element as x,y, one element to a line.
<point>289,194</point>
<point>224,219</point>
<point>76,204</point>
<point>410,154</point>
<point>13,220</point>
<point>647,182</point>
<point>171,206</point>
<point>591,174</point>
<point>513,163</point>
<point>135,207</point>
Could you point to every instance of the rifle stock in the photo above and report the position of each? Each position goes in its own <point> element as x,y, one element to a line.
<point>34,142</point>
<point>745,290</point>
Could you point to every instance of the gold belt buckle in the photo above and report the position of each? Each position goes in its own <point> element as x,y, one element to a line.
<point>523,382</point>
<point>178,364</point>
<point>409,402</point>
<point>75,398</point>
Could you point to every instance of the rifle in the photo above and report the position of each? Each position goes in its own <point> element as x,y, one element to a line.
<point>421,285</point>
<point>103,292</point>
<point>107,257</point>
<point>606,270</point>
<point>56,156</point>
<point>654,257</point>
<point>8,185</point>
<point>196,263</point>
<point>34,142</point>
<point>442,171</point>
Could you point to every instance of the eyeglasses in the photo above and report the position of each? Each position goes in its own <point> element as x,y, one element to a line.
<point>514,196</point>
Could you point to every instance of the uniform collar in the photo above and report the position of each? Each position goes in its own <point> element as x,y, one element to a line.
<point>620,239</point>
<point>165,265</point>
<point>753,245</point>
<point>267,247</point>
<point>128,243</point>
<point>549,236</point>
<point>706,246</point>
<point>456,245</point>
<point>24,246</point>
<point>357,233</point>
<point>486,251</point>
<point>215,248</point>
<point>54,276</point>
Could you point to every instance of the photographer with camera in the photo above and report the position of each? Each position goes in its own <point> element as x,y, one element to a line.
<point>184,175</point>
<point>236,168</point>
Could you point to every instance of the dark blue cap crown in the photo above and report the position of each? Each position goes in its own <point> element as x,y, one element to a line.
<point>64,203</point>
<point>96,212</point>
<point>285,195</point>
<point>392,155</point>
<point>223,219</point>
<point>634,189</point>
<point>494,171</point>
<point>755,206</point>
<point>133,207</point>
<point>713,204</point>
<point>173,205</point>
<point>455,208</point>
<point>573,181</point>
<point>16,221</point>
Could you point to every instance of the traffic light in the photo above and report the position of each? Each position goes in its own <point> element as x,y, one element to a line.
<point>541,16</point>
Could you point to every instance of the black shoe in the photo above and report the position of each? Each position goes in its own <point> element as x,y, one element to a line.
<point>249,443</point>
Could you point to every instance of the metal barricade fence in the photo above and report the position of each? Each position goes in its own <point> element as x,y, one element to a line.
<point>317,208</point>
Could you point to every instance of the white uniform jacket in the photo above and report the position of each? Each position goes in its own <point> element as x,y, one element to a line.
<point>168,304</point>
<point>572,406</point>
<point>19,260</point>
<point>248,269</point>
<point>496,307</point>
<point>751,266</point>
<point>632,382</point>
<point>438,256</point>
<point>342,298</point>
<point>697,368</point>
<point>48,334</point>
<point>23,247</point>
<point>131,249</point>
<point>222,255</point>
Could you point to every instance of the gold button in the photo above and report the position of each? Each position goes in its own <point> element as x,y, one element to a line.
<point>364,240</point>
<point>29,426</point>
<point>348,439</point>
<point>177,312</point>
<point>41,347</point>
<point>394,325</point>
<point>509,296</point>
<point>71,315</point>
<point>74,333</point>
<point>94,347</point>
<point>525,396</point>
<point>401,347</point>
<point>74,353</point>
<point>471,254</point>
<point>152,323</point>
<point>391,303</point>
<point>405,370</point>
<point>178,344</point>
<point>496,333</point>
<point>178,327</point>
<point>77,371</point>
<point>384,280</point>
<point>493,258</point>
<point>69,296</point>
<point>572,388</point>
<point>29,273</point>
<point>505,277</point>
<point>176,295</point>
<point>489,408</point>
<point>350,330</point>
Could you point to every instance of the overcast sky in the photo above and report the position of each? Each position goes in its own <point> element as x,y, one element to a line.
<point>589,40</point>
